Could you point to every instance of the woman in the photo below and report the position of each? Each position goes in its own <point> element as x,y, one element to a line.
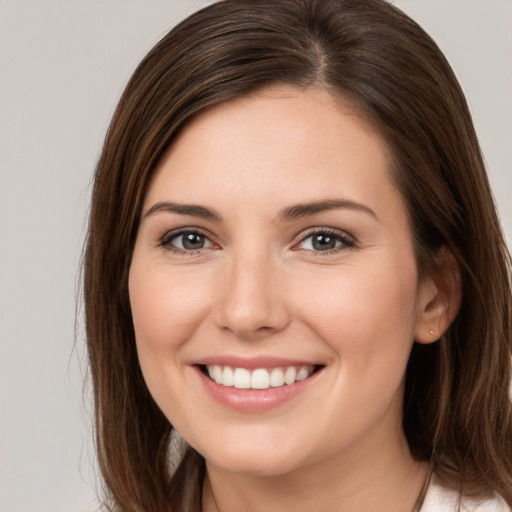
<point>297,291</point>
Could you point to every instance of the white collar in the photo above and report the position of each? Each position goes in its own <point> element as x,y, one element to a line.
<point>443,499</point>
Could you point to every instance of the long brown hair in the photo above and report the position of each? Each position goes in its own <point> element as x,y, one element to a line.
<point>456,405</point>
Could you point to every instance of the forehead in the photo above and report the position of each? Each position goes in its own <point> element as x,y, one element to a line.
<point>283,142</point>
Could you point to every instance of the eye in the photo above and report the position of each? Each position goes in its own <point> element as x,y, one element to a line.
<point>186,241</point>
<point>325,241</point>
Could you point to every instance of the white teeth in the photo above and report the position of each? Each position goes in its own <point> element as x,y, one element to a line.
<point>228,377</point>
<point>242,378</point>
<point>276,378</point>
<point>217,374</point>
<point>261,378</point>
<point>302,374</point>
<point>290,374</point>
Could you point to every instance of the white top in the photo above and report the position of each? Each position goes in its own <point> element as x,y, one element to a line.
<point>443,499</point>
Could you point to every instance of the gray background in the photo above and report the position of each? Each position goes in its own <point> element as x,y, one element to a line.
<point>63,64</point>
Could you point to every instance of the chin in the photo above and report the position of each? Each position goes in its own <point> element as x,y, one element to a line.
<point>257,459</point>
<point>262,466</point>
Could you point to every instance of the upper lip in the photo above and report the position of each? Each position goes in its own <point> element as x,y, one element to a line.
<point>253,362</point>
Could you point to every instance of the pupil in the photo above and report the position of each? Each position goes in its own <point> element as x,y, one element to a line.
<point>193,241</point>
<point>323,242</point>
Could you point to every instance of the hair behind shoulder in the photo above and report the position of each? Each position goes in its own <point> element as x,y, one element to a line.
<point>369,53</point>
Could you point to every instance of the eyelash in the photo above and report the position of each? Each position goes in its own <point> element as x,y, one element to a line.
<point>346,241</point>
<point>165,241</point>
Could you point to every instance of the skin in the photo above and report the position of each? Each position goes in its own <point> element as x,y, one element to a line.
<point>259,287</point>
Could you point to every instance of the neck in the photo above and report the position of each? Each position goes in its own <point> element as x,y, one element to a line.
<point>381,477</point>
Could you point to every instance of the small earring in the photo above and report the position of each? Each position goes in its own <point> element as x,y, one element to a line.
<point>431,332</point>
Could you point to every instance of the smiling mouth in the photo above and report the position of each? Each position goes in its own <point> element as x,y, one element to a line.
<point>258,378</point>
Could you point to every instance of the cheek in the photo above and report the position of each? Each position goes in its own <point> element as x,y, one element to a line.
<point>362,312</point>
<point>166,311</point>
<point>165,308</point>
<point>367,318</point>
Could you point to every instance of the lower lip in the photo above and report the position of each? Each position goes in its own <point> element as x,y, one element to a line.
<point>255,400</point>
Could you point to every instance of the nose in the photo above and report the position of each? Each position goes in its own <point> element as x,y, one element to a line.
<point>253,303</point>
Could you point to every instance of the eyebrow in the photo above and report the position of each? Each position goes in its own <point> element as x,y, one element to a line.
<point>305,210</point>
<point>193,210</point>
<point>294,212</point>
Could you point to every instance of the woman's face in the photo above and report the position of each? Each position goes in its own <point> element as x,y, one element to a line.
<point>274,253</point>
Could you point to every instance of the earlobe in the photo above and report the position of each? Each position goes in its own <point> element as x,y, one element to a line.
<point>439,299</point>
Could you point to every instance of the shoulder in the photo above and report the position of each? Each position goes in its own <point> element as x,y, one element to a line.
<point>443,499</point>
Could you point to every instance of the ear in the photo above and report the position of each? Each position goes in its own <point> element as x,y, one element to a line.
<point>439,298</point>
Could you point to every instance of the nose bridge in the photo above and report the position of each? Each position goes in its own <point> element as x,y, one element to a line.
<point>252,305</point>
